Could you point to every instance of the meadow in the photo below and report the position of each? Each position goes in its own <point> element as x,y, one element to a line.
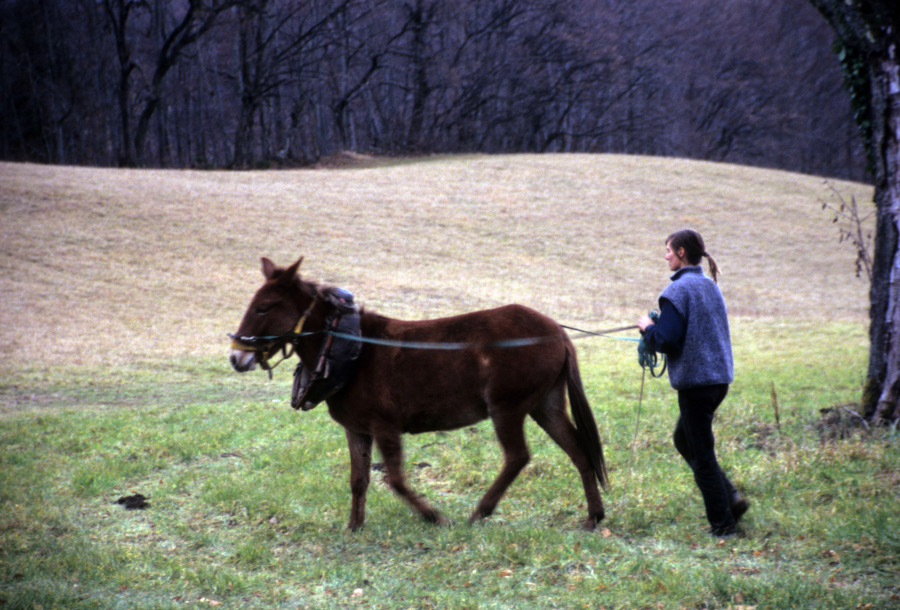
<point>119,287</point>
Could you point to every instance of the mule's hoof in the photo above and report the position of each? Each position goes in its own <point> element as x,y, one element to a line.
<point>739,506</point>
<point>590,524</point>
<point>479,516</point>
<point>436,518</point>
<point>354,526</point>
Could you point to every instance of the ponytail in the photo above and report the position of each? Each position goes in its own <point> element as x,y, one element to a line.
<point>713,267</point>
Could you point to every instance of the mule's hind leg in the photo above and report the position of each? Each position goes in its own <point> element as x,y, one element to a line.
<point>510,429</point>
<point>391,449</point>
<point>551,416</point>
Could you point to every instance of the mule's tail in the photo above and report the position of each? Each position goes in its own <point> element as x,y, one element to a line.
<point>585,425</point>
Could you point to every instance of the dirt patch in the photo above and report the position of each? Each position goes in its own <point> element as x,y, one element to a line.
<point>764,437</point>
<point>840,422</point>
<point>134,502</point>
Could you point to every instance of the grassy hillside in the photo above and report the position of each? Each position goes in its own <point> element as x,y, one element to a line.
<point>105,265</point>
<point>119,286</point>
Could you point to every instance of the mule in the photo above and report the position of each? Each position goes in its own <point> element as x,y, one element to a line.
<point>505,364</point>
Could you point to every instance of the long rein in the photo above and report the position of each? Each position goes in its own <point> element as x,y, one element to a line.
<point>262,345</point>
<point>646,358</point>
<point>246,342</point>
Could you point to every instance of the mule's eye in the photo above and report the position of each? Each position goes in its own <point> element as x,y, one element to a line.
<point>262,310</point>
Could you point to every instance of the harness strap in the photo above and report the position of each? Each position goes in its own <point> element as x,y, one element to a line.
<point>302,320</point>
<point>326,346</point>
<point>335,364</point>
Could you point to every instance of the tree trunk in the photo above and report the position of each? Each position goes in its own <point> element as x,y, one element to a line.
<point>419,17</point>
<point>886,124</point>
<point>247,75</point>
<point>118,12</point>
<point>869,34</point>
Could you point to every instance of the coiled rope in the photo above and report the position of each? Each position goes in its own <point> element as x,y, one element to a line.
<point>649,359</point>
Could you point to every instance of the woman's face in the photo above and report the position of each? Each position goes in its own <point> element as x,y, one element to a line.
<point>675,258</point>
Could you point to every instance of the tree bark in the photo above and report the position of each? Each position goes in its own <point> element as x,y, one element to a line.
<point>886,123</point>
<point>869,33</point>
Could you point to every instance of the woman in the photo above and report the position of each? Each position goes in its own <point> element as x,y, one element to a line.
<point>692,330</point>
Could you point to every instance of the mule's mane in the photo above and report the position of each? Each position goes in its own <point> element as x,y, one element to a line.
<point>312,289</point>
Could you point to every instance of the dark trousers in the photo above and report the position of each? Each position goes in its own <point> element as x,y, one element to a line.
<point>695,442</point>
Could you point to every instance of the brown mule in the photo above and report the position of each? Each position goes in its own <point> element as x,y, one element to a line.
<point>506,363</point>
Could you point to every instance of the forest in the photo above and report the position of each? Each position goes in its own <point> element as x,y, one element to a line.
<point>288,83</point>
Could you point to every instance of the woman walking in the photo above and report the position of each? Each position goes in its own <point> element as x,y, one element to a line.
<point>692,330</point>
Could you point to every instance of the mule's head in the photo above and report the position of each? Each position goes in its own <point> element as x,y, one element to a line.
<point>273,312</point>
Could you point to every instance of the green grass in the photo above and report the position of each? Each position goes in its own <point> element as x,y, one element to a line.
<point>119,287</point>
<point>249,499</point>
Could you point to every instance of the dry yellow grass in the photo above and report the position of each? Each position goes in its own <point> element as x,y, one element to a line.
<point>108,265</point>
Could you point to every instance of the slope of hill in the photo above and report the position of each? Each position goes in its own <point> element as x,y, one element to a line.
<point>106,265</point>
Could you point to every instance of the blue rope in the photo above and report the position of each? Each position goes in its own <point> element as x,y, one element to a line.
<point>449,345</point>
<point>649,359</point>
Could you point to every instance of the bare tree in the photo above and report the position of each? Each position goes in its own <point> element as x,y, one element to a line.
<point>119,15</point>
<point>197,17</point>
<point>869,36</point>
<point>44,81</point>
<point>183,82</point>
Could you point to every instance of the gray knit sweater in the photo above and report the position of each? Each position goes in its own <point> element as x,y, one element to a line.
<point>705,358</point>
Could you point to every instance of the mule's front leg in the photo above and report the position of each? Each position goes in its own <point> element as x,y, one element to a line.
<point>392,452</point>
<point>360,446</point>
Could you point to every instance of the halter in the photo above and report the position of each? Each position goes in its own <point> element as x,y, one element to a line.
<point>262,345</point>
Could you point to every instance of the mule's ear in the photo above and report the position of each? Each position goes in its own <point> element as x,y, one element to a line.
<point>291,272</point>
<point>268,268</point>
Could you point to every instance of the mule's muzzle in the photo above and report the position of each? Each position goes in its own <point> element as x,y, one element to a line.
<point>242,360</point>
<point>245,352</point>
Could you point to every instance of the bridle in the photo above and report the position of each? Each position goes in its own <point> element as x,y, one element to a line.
<point>266,347</point>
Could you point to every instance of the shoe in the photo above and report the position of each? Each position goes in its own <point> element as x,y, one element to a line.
<point>723,532</point>
<point>739,506</point>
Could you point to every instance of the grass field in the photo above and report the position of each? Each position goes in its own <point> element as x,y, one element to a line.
<point>119,286</point>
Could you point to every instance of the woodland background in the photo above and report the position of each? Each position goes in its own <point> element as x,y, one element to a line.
<point>274,83</point>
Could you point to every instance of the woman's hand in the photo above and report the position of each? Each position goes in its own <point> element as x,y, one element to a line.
<point>644,321</point>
